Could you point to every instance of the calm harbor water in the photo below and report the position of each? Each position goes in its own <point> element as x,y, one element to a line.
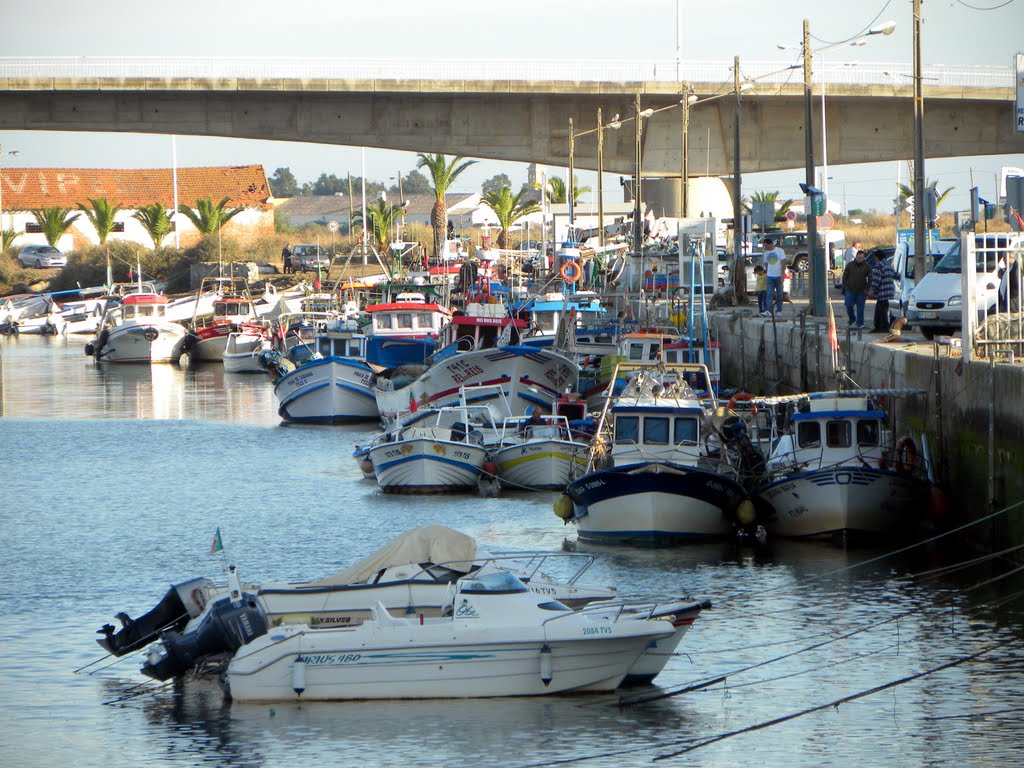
<point>114,479</point>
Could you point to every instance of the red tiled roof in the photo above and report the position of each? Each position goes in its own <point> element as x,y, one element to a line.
<point>26,189</point>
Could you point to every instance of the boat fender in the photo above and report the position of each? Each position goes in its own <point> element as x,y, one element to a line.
<point>89,349</point>
<point>546,675</point>
<point>906,454</point>
<point>151,334</point>
<point>299,675</point>
<point>491,468</point>
<point>366,466</point>
<point>564,507</point>
<point>745,512</point>
<point>14,328</point>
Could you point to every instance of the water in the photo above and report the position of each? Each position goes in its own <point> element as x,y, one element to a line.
<point>114,480</point>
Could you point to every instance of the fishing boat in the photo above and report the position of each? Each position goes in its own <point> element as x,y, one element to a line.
<point>243,347</point>
<point>652,477</point>
<point>138,331</point>
<point>539,453</point>
<point>403,331</point>
<point>209,337</point>
<point>838,471</point>
<point>497,639</point>
<point>328,380</point>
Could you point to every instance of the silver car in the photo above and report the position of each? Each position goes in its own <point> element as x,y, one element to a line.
<point>41,257</point>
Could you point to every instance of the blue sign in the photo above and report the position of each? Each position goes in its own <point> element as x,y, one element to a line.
<point>907,235</point>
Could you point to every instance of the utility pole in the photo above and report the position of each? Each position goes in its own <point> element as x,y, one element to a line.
<point>638,229</point>
<point>739,268</point>
<point>817,265</point>
<point>600,178</point>
<point>920,247</point>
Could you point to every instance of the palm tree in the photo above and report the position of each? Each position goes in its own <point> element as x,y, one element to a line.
<point>768,197</point>
<point>907,192</point>
<point>442,175</point>
<point>102,214</point>
<point>156,220</point>
<point>209,218</point>
<point>7,239</point>
<point>555,191</point>
<point>54,222</point>
<point>382,216</point>
<point>508,209</point>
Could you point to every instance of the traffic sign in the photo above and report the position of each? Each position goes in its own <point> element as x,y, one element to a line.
<point>826,221</point>
<point>790,215</point>
<point>332,225</point>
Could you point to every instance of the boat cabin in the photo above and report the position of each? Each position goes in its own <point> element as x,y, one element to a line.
<point>232,309</point>
<point>138,307</point>
<point>657,432</point>
<point>406,318</point>
<point>479,327</point>
<point>833,430</point>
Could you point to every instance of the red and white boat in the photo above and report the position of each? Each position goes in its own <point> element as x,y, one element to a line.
<point>230,313</point>
<point>138,331</point>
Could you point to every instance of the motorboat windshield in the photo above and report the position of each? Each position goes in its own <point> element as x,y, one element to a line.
<point>501,582</point>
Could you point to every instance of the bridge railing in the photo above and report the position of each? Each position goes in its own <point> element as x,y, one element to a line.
<point>263,68</point>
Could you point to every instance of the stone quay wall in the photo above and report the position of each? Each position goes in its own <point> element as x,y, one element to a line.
<point>972,412</point>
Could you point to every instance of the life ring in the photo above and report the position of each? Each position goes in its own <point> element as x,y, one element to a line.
<point>906,454</point>
<point>570,272</point>
<point>151,334</point>
<point>743,397</point>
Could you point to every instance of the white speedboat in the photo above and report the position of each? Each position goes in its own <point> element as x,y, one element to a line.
<point>653,479</point>
<point>837,471</point>
<point>243,347</point>
<point>499,639</point>
<point>137,331</point>
<point>537,452</point>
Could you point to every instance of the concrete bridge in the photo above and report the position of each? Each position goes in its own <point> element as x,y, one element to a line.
<point>519,111</point>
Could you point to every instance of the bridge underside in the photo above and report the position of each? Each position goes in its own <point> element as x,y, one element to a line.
<point>533,127</point>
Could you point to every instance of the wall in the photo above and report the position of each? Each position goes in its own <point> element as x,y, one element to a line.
<point>971,412</point>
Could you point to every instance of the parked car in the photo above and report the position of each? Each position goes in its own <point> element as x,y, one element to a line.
<point>41,257</point>
<point>308,258</point>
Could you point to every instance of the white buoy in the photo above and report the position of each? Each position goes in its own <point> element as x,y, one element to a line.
<point>298,675</point>
<point>545,665</point>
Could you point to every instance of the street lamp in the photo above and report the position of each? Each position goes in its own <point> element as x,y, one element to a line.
<point>615,124</point>
<point>638,230</point>
<point>12,153</point>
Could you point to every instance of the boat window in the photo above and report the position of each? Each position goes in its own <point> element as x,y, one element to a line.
<point>636,351</point>
<point>405,320</point>
<point>654,352</point>
<point>220,309</point>
<point>383,321</point>
<point>656,430</point>
<point>808,434</point>
<point>685,431</point>
<point>837,434</point>
<point>323,346</point>
<point>867,432</point>
<point>627,429</point>
<point>354,348</point>
<point>672,356</point>
<point>495,582</point>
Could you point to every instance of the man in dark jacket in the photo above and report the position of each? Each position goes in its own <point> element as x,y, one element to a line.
<point>1009,285</point>
<point>883,290</point>
<point>856,280</point>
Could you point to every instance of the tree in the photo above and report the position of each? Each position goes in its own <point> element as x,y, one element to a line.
<point>102,214</point>
<point>329,184</point>
<point>155,219</point>
<point>508,209</point>
<point>283,183</point>
<point>54,222</point>
<point>382,216</point>
<point>496,184</point>
<point>415,183</point>
<point>781,209</point>
<point>442,175</point>
<point>209,218</point>
<point>907,192</point>
<point>556,192</point>
<point>7,239</point>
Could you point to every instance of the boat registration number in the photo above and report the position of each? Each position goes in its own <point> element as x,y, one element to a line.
<point>597,630</point>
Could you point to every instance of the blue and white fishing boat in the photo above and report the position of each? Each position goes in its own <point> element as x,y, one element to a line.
<point>837,471</point>
<point>327,380</point>
<point>653,478</point>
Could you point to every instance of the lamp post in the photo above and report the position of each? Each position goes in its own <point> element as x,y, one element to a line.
<point>615,124</point>
<point>739,268</point>
<point>920,251</point>
<point>12,153</point>
<point>638,229</point>
<point>568,186</point>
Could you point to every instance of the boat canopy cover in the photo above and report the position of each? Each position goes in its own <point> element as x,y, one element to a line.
<point>431,543</point>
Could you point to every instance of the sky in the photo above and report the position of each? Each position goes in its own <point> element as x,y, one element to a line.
<point>960,32</point>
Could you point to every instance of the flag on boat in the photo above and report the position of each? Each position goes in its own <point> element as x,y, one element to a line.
<point>412,403</point>
<point>833,335</point>
<point>217,545</point>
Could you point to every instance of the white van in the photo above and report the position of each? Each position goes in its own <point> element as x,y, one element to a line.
<point>935,304</point>
<point>904,261</point>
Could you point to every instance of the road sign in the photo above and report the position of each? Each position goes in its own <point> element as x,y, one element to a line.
<point>826,221</point>
<point>790,215</point>
<point>332,225</point>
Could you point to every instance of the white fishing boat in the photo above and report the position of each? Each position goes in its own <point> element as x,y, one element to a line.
<point>653,478</point>
<point>332,383</point>
<point>36,314</point>
<point>138,331</point>
<point>243,347</point>
<point>538,452</point>
<point>476,349</point>
<point>209,337</point>
<point>838,471</point>
<point>499,639</point>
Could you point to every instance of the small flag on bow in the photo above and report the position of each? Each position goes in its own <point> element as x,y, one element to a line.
<point>217,545</point>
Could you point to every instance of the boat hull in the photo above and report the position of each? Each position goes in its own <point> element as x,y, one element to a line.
<point>240,353</point>
<point>844,501</point>
<point>424,465</point>
<point>654,503</point>
<point>541,464</point>
<point>143,343</point>
<point>527,376</point>
<point>327,391</point>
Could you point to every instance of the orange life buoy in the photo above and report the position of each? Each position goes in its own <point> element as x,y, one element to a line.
<point>743,397</point>
<point>906,454</point>
<point>570,272</point>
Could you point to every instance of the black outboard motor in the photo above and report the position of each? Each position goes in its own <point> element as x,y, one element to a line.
<point>228,623</point>
<point>182,602</point>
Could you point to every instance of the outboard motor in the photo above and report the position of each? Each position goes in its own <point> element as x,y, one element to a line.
<point>182,603</point>
<point>228,623</point>
<point>274,363</point>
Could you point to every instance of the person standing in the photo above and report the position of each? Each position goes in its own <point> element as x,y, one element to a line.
<point>761,288</point>
<point>775,269</point>
<point>286,257</point>
<point>850,253</point>
<point>883,290</point>
<point>856,279</point>
<point>1008,298</point>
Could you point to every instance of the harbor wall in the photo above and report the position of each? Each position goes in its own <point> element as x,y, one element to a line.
<point>971,412</point>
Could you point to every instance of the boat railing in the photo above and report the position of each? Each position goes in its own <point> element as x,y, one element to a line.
<point>528,563</point>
